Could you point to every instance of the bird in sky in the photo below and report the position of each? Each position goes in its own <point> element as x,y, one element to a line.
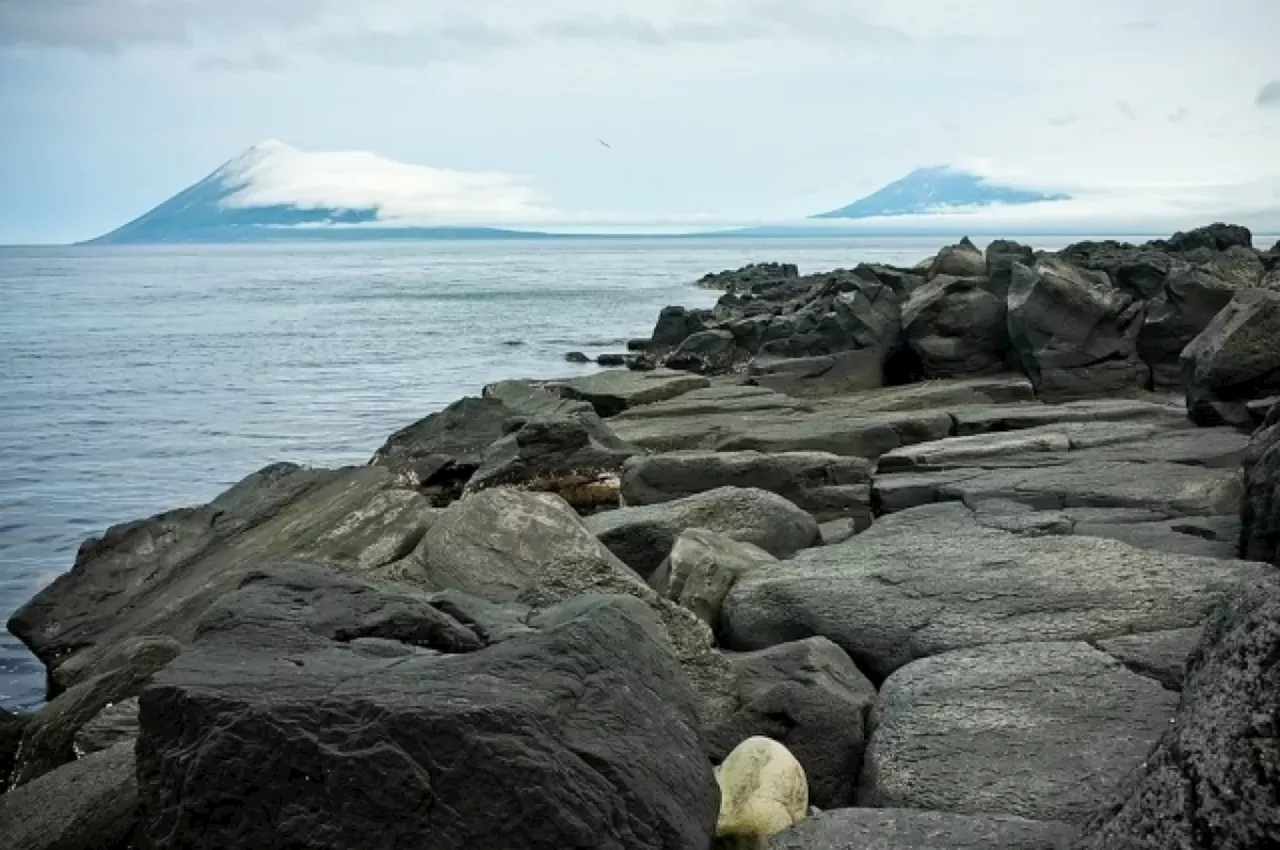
<point>606,144</point>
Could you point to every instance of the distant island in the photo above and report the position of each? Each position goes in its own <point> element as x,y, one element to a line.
<point>930,190</point>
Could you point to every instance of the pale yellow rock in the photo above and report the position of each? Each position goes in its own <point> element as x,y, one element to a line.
<point>763,791</point>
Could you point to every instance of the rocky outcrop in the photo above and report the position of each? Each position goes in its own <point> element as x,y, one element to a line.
<point>612,392</point>
<point>960,260</point>
<point>985,711</point>
<point>956,327</point>
<point>440,452</point>
<point>643,536</point>
<point>810,697</point>
<point>749,277</point>
<point>675,325</point>
<point>912,829</point>
<point>1215,237</point>
<point>90,804</point>
<point>1234,360</point>
<point>1213,780</point>
<point>1074,334</point>
<point>702,567</point>
<point>585,719</point>
<point>827,486</point>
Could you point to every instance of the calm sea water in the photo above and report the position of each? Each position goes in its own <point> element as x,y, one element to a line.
<point>134,380</point>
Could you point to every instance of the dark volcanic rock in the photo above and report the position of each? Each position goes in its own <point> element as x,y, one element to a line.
<point>90,804</point>
<point>960,260</point>
<point>1260,508</point>
<point>912,829</point>
<point>11,727</point>
<point>116,723</point>
<point>675,325</point>
<point>957,327</point>
<point>1213,781</point>
<point>1073,332</point>
<point>1001,255</point>
<point>749,277</point>
<point>448,445</point>
<point>708,352</point>
<point>1215,237</point>
<point>577,357</point>
<point>581,733</point>
<point>811,698</point>
<point>614,391</point>
<point>1138,271</point>
<point>1234,360</point>
<point>643,536</point>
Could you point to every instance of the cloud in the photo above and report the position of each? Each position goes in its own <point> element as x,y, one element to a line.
<point>1179,115</point>
<point>1269,95</point>
<point>1126,110</point>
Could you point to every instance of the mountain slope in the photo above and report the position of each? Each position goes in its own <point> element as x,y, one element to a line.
<point>927,190</point>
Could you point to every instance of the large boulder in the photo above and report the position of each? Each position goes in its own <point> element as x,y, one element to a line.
<point>933,579</point>
<point>1260,507</point>
<point>1213,781</point>
<point>706,352</point>
<point>956,326</point>
<point>960,260</point>
<point>372,726</point>
<point>675,324</point>
<point>1234,360</point>
<point>702,567</point>
<point>810,697</point>
<point>762,792</point>
<point>1139,271</point>
<point>1045,731</point>
<point>912,829</point>
<point>90,804</point>
<point>844,313</point>
<point>612,392</point>
<point>827,486</point>
<point>1001,256</point>
<point>1073,332</point>
<point>1215,237</point>
<point>156,576</point>
<point>440,452</point>
<point>643,536</point>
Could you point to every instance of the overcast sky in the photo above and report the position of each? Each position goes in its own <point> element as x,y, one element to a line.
<point>735,109</point>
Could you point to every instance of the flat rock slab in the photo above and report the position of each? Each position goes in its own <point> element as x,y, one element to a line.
<point>910,829</point>
<point>1046,731</point>
<point>614,391</point>
<point>1012,417</point>
<point>933,579</point>
<point>1159,655</point>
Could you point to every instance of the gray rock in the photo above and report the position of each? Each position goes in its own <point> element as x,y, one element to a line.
<point>749,277</point>
<point>1073,332</point>
<point>701,568</point>
<point>911,829</point>
<point>1001,255</point>
<point>933,579</point>
<point>827,486</point>
<point>1138,270</point>
<point>1045,731</point>
<point>957,327</point>
<point>586,721</point>
<point>982,419</point>
<point>612,392</point>
<point>1215,237</point>
<point>1213,780</point>
<point>90,804</point>
<point>643,536</point>
<point>1160,655</point>
<point>156,576</point>
<point>612,360</point>
<point>675,325</point>
<point>443,449</point>
<point>11,728</point>
<point>1234,360</point>
<point>706,352</point>
<point>820,375</point>
<point>116,722</point>
<point>960,260</point>
<point>811,698</point>
<point>901,281</point>
<point>1206,537</point>
<point>577,357</point>
<point>1260,507</point>
<point>837,531</point>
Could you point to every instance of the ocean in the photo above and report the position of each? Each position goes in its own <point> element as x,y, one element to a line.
<point>138,379</point>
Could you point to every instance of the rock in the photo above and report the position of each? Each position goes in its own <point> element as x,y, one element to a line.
<point>1001,255</point>
<point>1215,237</point>
<point>155,577</point>
<point>960,260</point>
<point>637,345</point>
<point>116,722</point>
<point>569,456</point>
<point>902,281</point>
<point>1188,302</point>
<point>612,360</point>
<point>986,418</point>
<point>443,449</point>
<point>822,375</point>
<point>586,721</point>
<point>1206,537</point>
<point>749,277</point>
<point>11,728</point>
<point>577,357</point>
<point>1260,507</point>
<point>837,531</point>
<point>911,829</point>
<point>827,486</point>
<point>1073,332</point>
<point>706,352</point>
<point>933,579</point>
<point>1159,655</point>
<point>1045,731</point>
<point>612,392</point>
<point>809,697</point>
<point>90,804</point>
<point>1234,360</point>
<point>643,536</point>
<point>1137,271</point>
<point>675,325</point>
<point>507,546</point>
<point>1212,782</point>
<point>956,327</point>
<point>701,568</point>
<point>762,792</point>
<point>49,738</point>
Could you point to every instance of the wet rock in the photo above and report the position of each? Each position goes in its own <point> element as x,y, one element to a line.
<point>933,579</point>
<point>701,568</point>
<point>643,536</point>
<point>1074,334</point>
<point>1045,731</point>
<point>827,486</point>
<point>1212,782</point>
<point>587,720</point>
<point>912,829</point>
<point>90,804</point>
<point>811,698</point>
<point>1234,360</point>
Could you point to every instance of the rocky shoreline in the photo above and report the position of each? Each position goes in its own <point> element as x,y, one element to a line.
<point>976,554</point>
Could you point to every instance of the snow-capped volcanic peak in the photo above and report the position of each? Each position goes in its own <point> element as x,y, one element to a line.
<point>272,174</point>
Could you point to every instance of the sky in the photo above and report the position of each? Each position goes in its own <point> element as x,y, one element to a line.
<point>713,110</point>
